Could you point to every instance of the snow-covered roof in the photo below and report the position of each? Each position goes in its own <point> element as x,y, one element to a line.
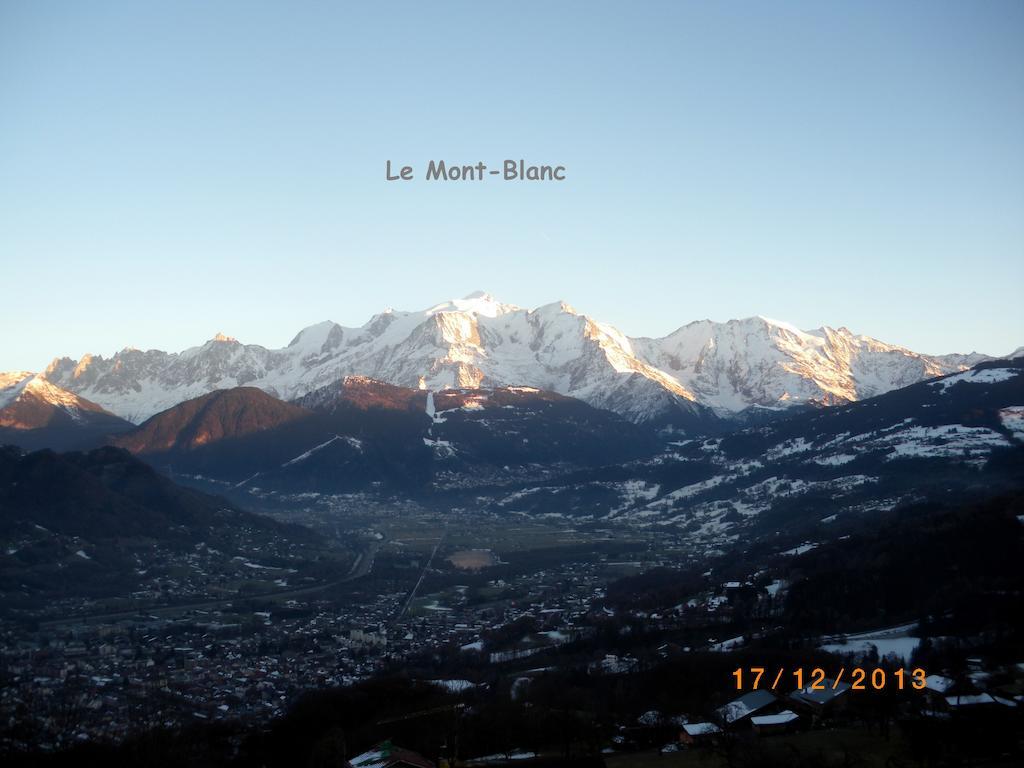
<point>701,729</point>
<point>745,705</point>
<point>938,683</point>
<point>787,716</point>
<point>969,700</point>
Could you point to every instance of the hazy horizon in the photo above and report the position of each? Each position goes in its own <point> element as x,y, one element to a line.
<point>170,172</point>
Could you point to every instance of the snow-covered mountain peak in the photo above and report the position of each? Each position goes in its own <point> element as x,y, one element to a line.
<point>555,309</point>
<point>44,390</point>
<point>20,387</point>
<point>317,338</point>
<point>35,413</point>
<point>476,303</point>
<point>774,325</point>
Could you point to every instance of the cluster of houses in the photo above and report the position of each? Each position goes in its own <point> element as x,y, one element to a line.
<point>947,697</point>
<point>764,713</point>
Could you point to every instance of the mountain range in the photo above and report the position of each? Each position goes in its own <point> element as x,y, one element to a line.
<point>703,372</point>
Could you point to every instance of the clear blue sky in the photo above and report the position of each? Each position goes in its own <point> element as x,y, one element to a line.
<point>170,170</point>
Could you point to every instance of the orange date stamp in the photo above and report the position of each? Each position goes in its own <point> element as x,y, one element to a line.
<point>817,679</point>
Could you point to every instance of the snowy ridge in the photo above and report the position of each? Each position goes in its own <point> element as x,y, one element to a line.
<point>23,386</point>
<point>985,376</point>
<point>12,384</point>
<point>703,368</point>
<point>760,362</point>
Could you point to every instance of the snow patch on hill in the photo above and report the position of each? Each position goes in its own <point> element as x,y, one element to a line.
<point>1013,419</point>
